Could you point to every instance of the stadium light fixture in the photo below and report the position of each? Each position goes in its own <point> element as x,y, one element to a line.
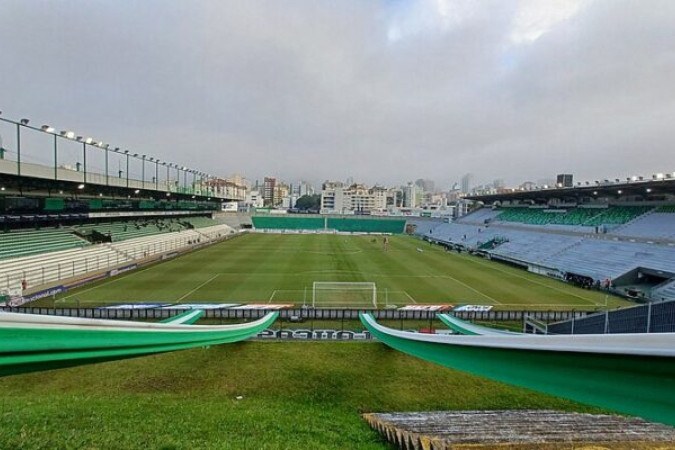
<point>24,121</point>
<point>595,192</point>
<point>79,138</point>
<point>136,191</point>
<point>88,140</point>
<point>116,149</point>
<point>619,192</point>
<point>80,186</point>
<point>648,190</point>
<point>126,152</point>
<point>47,128</point>
<point>2,188</point>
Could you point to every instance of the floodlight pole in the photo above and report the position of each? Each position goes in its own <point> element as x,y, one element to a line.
<point>156,174</point>
<point>18,149</point>
<point>84,160</point>
<point>56,160</point>
<point>107,183</point>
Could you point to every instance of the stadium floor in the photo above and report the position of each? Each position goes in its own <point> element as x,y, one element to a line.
<point>275,268</point>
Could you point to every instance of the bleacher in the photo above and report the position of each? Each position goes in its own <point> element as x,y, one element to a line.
<point>51,267</point>
<point>665,291</point>
<point>200,222</point>
<point>14,244</point>
<point>576,216</point>
<point>618,215</point>
<point>47,268</point>
<point>120,231</point>
<point>656,225</point>
<point>598,256</point>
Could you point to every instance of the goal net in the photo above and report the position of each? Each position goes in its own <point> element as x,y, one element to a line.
<point>335,294</point>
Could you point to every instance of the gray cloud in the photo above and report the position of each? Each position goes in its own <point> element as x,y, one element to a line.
<point>384,91</point>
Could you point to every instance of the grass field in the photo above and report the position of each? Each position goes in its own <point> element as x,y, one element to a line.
<point>272,268</point>
<point>305,395</point>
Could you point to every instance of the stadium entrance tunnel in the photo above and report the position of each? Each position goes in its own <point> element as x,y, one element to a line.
<point>640,282</point>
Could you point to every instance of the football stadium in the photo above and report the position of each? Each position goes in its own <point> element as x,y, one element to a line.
<point>147,303</point>
<point>99,268</point>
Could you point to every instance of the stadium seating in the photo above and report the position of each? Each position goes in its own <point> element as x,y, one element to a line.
<point>14,244</point>
<point>120,231</point>
<point>48,268</point>
<point>578,217</point>
<point>618,215</point>
<point>665,291</point>
<point>592,255</point>
<point>657,225</point>
<point>480,216</point>
<point>200,222</point>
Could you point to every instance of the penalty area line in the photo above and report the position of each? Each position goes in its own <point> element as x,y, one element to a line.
<point>199,287</point>
<point>274,292</point>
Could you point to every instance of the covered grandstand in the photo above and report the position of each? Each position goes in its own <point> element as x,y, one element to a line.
<point>613,239</point>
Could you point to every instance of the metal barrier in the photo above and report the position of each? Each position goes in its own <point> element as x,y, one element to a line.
<point>304,313</point>
<point>650,318</point>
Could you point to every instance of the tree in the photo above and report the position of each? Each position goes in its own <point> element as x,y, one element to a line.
<point>309,202</point>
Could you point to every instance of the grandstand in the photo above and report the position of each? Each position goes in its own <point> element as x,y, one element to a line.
<point>628,244</point>
<point>24,242</point>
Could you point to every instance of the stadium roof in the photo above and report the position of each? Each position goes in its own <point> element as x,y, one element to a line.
<point>655,189</point>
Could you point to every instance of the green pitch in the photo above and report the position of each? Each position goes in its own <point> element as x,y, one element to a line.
<point>274,268</point>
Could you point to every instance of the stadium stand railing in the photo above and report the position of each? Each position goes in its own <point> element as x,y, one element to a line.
<point>19,243</point>
<point>655,317</point>
<point>49,268</point>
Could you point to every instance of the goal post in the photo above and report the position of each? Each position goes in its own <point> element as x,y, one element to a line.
<point>335,294</point>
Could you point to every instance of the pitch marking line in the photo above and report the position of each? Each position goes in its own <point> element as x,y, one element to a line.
<point>199,287</point>
<point>274,292</point>
<point>541,284</point>
<point>104,284</point>
<point>410,297</point>
<point>472,288</point>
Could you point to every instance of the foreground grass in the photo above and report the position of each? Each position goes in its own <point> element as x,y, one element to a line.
<point>295,395</point>
<point>258,268</point>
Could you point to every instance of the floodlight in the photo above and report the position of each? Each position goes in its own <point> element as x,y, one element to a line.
<point>81,186</point>
<point>24,121</point>
<point>88,140</point>
<point>47,128</point>
<point>79,138</point>
<point>136,191</point>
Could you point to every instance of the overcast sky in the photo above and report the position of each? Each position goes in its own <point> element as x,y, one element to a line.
<point>382,91</point>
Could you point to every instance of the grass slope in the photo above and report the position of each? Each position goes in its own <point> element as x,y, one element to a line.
<point>295,395</point>
<point>258,268</point>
